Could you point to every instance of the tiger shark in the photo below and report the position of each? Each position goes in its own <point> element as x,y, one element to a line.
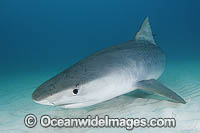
<point>111,72</point>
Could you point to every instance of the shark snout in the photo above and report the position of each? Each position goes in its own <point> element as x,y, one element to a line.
<point>38,96</point>
<point>35,96</point>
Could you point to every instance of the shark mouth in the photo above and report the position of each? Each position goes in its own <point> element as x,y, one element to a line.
<point>76,104</point>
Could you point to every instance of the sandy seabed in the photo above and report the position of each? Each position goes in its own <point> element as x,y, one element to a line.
<point>182,77</point>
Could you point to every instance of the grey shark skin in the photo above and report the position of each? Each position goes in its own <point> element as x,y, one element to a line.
<point>108,73</point>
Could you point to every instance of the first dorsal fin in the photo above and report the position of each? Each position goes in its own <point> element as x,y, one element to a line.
<point>145,32</point>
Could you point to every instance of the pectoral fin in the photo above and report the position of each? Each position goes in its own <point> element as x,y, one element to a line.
<point>156,87</point>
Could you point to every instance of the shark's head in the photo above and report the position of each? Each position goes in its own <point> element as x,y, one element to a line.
<point>67,93</point>
<point>67,96</point>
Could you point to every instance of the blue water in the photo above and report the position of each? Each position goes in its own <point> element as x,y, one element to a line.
<point>38,39</point>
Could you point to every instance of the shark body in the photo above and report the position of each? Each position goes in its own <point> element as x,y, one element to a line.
<point>109,73</point>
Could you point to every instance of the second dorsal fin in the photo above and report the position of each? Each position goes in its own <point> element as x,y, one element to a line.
<point>145,32</point>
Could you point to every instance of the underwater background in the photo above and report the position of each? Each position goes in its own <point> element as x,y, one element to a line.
<point>39,39</point>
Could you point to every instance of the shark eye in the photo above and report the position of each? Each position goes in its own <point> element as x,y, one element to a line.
<point>75,91</point>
